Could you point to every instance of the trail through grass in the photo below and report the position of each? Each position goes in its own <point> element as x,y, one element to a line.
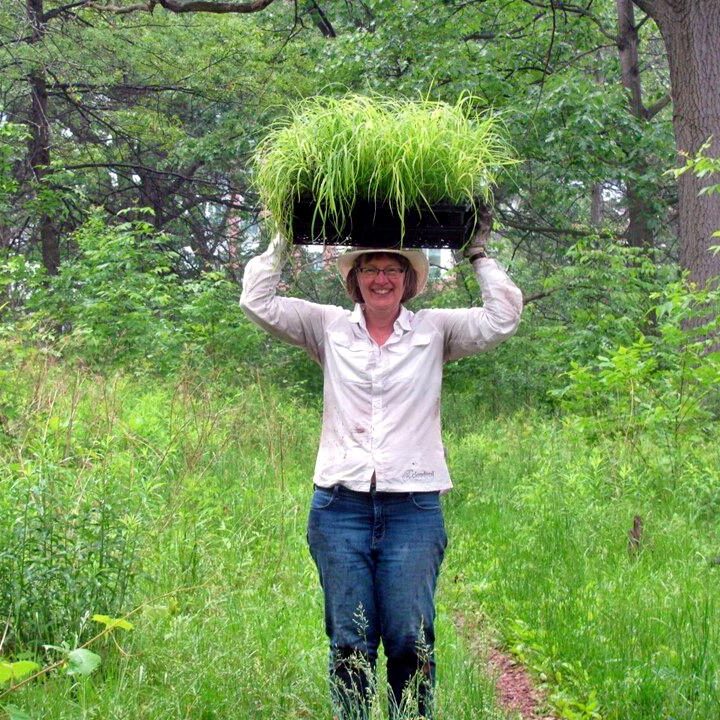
<point>541,518</point>
<point>188,500</point>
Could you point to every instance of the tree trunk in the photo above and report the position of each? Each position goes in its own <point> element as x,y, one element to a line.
<point>596,205</point>
<point>39,150</point>
<point>690,30</point>
<point>638,233</point>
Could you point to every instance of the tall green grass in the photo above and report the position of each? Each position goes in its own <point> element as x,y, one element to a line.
<point>204,490</point>
<point>540,522</point>
<point>409,154</point>
<point>184,501</point>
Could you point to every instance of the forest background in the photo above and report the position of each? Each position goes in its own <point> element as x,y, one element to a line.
<point>156,449</point>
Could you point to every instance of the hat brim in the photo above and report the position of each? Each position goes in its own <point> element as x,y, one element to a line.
<point>417,259</point>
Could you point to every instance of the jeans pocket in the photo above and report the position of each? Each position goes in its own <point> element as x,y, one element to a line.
<point>426,501</point>
<point>323,498</point>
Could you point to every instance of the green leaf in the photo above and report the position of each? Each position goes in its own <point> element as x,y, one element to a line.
<point>23,668</point>
<point>15,713</point>
<point>113,622</point>
<point>16,670</point>
<point>82,662</point>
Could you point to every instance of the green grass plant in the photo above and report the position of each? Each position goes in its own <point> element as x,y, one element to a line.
<point>540,520</point>
<point>406,153</point>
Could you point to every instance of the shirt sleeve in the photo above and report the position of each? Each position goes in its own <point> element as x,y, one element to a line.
<point>293,320</point>
<point>468,331</point>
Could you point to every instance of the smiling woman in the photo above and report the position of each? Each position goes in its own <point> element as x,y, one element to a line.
<point>381,281</point>
<point>375,528</point>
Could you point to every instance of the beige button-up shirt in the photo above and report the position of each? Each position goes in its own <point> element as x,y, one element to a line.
<point>382,403</point>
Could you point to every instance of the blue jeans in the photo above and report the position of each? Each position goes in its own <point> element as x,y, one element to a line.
<point>378,556</point>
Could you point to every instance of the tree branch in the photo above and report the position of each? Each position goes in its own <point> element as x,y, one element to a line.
<point>654,109</point>
<point>573,10</point>
<point>647,6</point>
<point>122,9</point>
<point>549,230</point>
<point>321,20</point>
<point>136,167</point>
<point>50,14</point>
<point>177,6</point>
<point>122,88</point>
<point>479,36</point>
<point>186,6</point>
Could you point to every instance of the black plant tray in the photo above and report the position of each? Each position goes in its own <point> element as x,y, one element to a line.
<point>377,225</point>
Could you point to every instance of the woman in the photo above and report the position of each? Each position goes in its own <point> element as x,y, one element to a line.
<point>375,529</point>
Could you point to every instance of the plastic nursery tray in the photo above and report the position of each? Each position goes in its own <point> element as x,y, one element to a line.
<point>377,225</point>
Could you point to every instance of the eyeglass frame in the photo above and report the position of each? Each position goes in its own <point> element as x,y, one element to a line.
<point>391,273</point>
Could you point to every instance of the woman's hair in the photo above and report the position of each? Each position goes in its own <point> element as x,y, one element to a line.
<point>409,276</point>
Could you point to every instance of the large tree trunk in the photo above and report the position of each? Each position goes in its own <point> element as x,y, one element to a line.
<point>39,150</point>
<point>690,30</point>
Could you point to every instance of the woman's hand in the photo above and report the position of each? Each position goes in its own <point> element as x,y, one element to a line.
<point>477,246</point>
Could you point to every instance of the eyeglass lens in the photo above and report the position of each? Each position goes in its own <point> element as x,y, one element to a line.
<point>391,272</point>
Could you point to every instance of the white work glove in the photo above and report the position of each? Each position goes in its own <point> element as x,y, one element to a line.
<point>477,247</point>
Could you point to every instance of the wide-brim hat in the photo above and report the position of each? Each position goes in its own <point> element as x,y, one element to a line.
<point>417,259</point>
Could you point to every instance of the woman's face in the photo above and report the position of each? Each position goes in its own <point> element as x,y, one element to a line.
<point>381,292</point>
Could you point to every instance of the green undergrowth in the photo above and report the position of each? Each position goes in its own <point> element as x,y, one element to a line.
<point>616,625</point>
<point>178,504</point>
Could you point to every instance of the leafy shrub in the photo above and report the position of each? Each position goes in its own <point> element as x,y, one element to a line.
<point>115,300</point>
<point>20,278</point>
<point>118,302</point>
<point>214,328</point>
<point>665,381</point>
<point>60,559</point>
<point>12,138</point>
<point>600,298</point>
<point>67,529</point>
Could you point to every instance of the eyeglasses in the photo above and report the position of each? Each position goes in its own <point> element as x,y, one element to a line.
<point>390,273</point>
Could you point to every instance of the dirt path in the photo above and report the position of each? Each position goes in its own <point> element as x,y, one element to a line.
<point>514,687</point>
<point>513,684</point>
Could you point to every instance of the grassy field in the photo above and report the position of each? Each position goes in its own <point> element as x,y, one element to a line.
<point>185,503</point>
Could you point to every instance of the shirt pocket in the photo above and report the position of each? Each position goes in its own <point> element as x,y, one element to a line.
<point>349,357</point>
<point>408,360</point>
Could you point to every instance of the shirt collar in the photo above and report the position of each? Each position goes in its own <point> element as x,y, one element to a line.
<point>356,316</point>
<point>403,320</point>
<point>402,324</point>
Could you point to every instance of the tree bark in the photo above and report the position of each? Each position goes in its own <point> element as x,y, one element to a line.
<point>176,6</point>
<point>39,145</point>
<point>321,20</point>
<point>627,43</point>
<point>596,205</point>
<point>638,233</point>
<point>690,30</point>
